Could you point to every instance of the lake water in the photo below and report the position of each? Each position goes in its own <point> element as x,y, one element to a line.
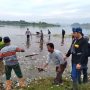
<point>17,36</point>
<point>20,30</point>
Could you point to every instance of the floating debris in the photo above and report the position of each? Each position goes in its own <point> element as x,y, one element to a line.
<point>40,78</point>
<point>28,86</point>
<point>57,85</point>
<point>51,87</point>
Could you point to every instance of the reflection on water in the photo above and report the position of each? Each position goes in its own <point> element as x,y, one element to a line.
<point>18,30</point>
<point>28,43</point>
<point>41,45</point>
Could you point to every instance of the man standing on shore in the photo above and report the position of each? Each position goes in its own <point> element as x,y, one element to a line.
<point>79,51</point>
<point>57,57</point>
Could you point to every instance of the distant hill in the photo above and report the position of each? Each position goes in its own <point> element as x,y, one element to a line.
<point>76,25</point>
<point>86,25</point>
<point>24,23</point>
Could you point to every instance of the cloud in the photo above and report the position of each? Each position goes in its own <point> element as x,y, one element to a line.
<point>49,10</point>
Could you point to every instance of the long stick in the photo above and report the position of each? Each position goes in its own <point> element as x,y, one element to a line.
<point>31,55</point>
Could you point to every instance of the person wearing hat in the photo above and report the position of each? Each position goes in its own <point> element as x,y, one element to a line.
<point>79,51</point>
<point>84,67</point>
<point>8,54</point>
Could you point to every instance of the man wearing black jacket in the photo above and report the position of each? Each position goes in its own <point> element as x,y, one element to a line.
<point>79,51</point>
<point>85,63</point>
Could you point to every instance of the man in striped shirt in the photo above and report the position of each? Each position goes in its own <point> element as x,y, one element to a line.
<point>8,54</point>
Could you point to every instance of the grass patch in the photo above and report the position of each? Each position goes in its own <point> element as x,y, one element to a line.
<point>46,84</point>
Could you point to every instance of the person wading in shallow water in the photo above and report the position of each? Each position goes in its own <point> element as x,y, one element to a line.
<point>28,34</point>
<point>8,54</point>
<point>63,35</point>
<point>41,41</point>
<point>57,57</point>
<point>49,34</point>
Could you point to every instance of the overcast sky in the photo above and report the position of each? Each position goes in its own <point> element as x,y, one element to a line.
<point>52,11</point>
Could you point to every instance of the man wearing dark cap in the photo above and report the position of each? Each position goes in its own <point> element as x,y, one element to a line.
<point>8,54</point>
<point>79,51</point>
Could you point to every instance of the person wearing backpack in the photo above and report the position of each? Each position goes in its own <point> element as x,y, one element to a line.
<point>79,51</point>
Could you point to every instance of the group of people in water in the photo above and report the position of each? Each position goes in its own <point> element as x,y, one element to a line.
<point>78,50</point>
<point>38,34</point>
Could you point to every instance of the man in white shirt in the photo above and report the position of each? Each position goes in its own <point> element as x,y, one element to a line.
<point>28,34</point>
<point>57,57</point>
